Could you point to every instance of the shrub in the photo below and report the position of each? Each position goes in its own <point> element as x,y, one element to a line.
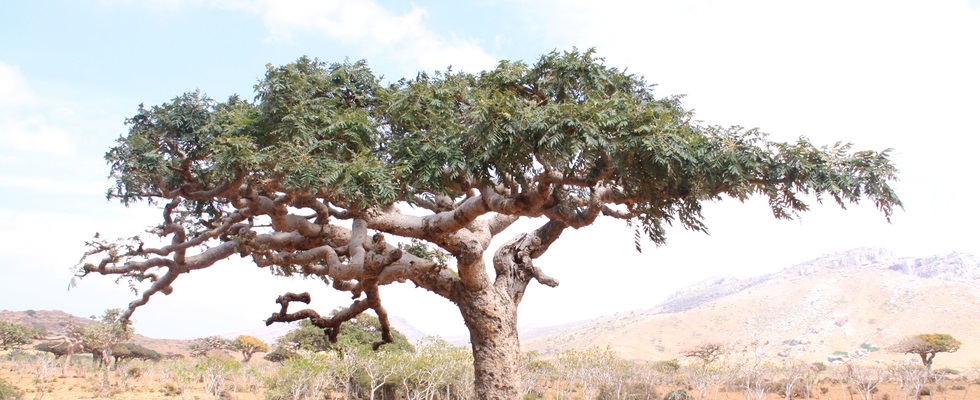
<point>301,378</point>
<point>280,354</point>
<point>9,391</point>
<point>679,394</point>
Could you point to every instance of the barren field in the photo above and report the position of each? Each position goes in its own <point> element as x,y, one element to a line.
<point>182,379</point>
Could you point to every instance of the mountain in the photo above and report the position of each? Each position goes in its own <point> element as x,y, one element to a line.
<point>855,302</point>
<point>55,322</point>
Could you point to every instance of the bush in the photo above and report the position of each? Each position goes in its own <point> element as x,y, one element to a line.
<point>679,394</point>
<point>280,354</point>
<point>301,377</point>
<point>9,391</point>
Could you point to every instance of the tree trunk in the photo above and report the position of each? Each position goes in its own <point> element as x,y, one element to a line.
<point>491,317</point>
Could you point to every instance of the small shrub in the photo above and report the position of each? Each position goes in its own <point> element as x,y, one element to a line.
<point>824,390</point>
<point>170,390</point>
<point>9,391</point>
<point>679,394</point>
<point>871,348</point>
<point>820,366</point>
<point>667,366</point>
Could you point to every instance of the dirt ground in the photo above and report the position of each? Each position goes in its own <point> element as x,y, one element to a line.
<point>82,382</point>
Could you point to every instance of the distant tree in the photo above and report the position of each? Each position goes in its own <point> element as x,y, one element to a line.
<point>14,335</point>
<point>706,352</point>
<point>135,351</point>
<point>280,354</point>
<point>249,345</point>
<point>102,337</point>
<point>56,348</point>
<point>360,333</point>
<point>927,345</point>
<point>201,346</point>
<point>307,337</point>
<point>330,169</point>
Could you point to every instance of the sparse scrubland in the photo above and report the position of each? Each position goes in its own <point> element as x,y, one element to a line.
<point>434,369</point>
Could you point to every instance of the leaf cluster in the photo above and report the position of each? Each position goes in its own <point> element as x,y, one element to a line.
<point>14,335</point>
<point>568,122</point>
<point>930,343</point>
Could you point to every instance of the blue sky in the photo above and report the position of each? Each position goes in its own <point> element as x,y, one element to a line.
<point>899,74</point>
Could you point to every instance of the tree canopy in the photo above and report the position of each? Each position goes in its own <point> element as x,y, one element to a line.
<point>927,345</point>
<point>14,335</point>
<point>332,173</point>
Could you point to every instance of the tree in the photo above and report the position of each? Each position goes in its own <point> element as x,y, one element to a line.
<point>14,335</point>
<point>102,337</point>
<point>248,345</point>
<point>706,352</point>
<point>316,178</point>
<point>201,346</point>
<point>135,351</point>
<point>358,333</point>
<point>927,345</point>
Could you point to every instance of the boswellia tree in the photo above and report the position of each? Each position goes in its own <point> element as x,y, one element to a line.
<point>315,176</point>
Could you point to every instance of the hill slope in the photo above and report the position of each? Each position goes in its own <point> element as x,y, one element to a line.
<point>811,310</point>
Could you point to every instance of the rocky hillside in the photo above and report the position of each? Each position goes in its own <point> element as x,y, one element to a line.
<point>55,322</point>
<point>858,302</point>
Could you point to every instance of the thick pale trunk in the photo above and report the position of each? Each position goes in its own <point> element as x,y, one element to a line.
<point>491,317</point>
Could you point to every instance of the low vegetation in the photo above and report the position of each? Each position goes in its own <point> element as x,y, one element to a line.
<point>435,369</point>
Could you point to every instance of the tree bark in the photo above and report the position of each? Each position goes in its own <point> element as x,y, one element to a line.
<point>491,317</point>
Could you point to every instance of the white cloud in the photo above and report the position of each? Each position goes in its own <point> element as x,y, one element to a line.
<point>375,28</point>
<point>14,91</point>
<point>24,128</point>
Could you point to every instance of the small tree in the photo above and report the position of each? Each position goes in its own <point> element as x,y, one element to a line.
<point>706,352</point>
<point>248,345</point>
<point>101,338</point>
<point>136,351</point>
<point>927,345</point>
<point>13,335</point>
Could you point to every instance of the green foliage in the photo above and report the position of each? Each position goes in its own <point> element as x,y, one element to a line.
<point>927,345</point>
<point>938,342</point>
<point>57,348</point>
<point>201,346</point>
<point>679,394</point>
<point>136,351</point>
<point>215,373</point>
<point>280,354</point>
<point>869,347</point>
<point>360,333</point>
<point>667,365</point>
<point>305,337</point>
<point>249,345</point>
<point>302,378</point>
<point>9,392</point>
<point>363,332</point>
<point>13,335</point>
<point>333,129</point>
<point>103,337</point>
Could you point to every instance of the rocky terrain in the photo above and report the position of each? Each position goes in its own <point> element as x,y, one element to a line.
<point>858,303</point>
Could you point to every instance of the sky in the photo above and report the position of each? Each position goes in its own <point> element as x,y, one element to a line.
<point>880,74</point>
